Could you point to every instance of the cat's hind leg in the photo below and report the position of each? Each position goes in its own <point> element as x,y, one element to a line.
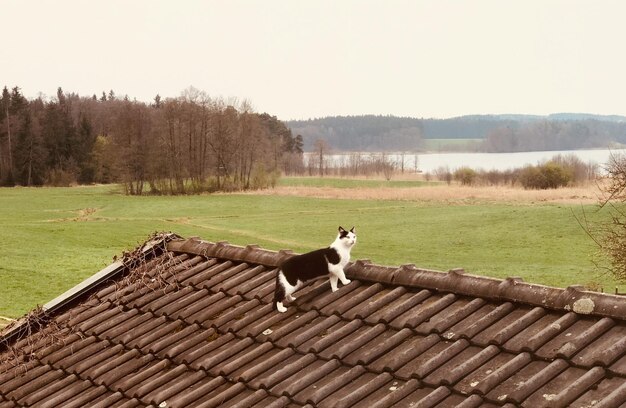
<point>280,293</point>
<point>333,281</point>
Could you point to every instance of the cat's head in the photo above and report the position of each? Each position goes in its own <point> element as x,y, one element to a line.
<point>348,238</point>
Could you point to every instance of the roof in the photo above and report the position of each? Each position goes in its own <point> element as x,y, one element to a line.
<point>192,325</point>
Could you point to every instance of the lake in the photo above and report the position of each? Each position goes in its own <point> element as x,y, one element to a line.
<point>428,162</point>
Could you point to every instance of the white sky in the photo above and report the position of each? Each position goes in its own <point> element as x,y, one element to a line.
<point>302,59</point>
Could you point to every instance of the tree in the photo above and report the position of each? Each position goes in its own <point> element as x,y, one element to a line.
<point>30,153</point>
<point>321,148</point>
<point>6,151</point>
<point>611,235</point>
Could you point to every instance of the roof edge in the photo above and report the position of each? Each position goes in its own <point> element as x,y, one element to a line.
<point>572,299</point>
<point>110,272</point>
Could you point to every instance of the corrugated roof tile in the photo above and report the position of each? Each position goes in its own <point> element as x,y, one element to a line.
<point>310,376</point>
<point>235,362</point>
<point>331,336</point>
<point>324,301</point>
<point>491,377</point>
<point>134,379</point>
<point>434,398</point>
<point>577,343</point>
<point>214,356</point>
<point>374,303</point>
<point>398,392</point>
<point>461,365</point>
<point>32,381</point>
<point>126,367</point>
<point>233,285</point>
<point>306,332</point>
<point>352,342</point>
<point>186,274</point>
<point>341,377</point>
<point>218,281</point>
<point>398,306</point>
<point>57,391</point>
<point>274,358</point>
<point>605,350</point>
<point>378,346</point>
<point>426,362</point>
<point>106,400</point>
<point>550,349</point>
<point>404,353</point>
<point>362,387</point>
<point>417,315</point>
<point>540,332</point>
<point>86,397</point>
<point>288,326</point>
<point>292,365</point>
<point>488,335</point>
<point>153,391</point>
<point>614,398</point>
<point>357,296</point>
<point>250,401</point>
<point>451,315</point>
<point>575,389</point>
<point>250,288</point>
<point>199,390</point>
<point>479,321</point>
<point>161,345</point>
<point>521,390</point>
<point>206,274</point>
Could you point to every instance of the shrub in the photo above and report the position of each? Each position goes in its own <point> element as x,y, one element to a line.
<point>545,176</point>
<point>465,176</point>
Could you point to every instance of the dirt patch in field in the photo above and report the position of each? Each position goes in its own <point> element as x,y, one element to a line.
<point>451,194</point>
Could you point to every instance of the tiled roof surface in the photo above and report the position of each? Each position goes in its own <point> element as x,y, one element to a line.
<point>195,327</point>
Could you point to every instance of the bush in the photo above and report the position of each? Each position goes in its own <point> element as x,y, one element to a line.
<point>57,177</point>
<point>465,176</point>
<point>545,176</point>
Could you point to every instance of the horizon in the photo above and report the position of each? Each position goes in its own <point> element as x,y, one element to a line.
<point>48,98</point>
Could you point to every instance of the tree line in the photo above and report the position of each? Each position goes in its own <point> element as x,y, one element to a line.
<point>499,133</point>
<point>543,135</point>
<point>188,144</point>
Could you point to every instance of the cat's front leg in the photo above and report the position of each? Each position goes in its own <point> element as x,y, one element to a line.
<point>333,281</point>
<point>342,277</point>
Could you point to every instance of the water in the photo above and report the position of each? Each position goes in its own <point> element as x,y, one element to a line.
<point>428,162</point>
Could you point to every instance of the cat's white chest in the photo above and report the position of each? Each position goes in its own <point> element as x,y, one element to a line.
<point>344,256</point>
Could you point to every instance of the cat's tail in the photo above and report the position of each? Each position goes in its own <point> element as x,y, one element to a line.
<point>279,294</point>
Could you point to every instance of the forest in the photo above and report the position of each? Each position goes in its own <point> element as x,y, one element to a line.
<point>187,144</point>
<point>498,133</point>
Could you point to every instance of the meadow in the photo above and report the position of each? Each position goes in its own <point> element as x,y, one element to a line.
<point>53,238</point>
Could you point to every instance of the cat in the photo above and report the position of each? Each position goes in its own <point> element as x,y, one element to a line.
<point>299,269</point>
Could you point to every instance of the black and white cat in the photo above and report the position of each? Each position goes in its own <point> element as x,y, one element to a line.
<point>298,270</point>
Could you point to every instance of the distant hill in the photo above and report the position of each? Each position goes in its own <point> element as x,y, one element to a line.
<point>521,132</point>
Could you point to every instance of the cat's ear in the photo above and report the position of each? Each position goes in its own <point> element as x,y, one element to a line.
<point>352,230</point>
<point>341,229</point>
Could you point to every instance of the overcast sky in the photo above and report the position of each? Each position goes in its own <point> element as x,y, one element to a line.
<point>304,59</point>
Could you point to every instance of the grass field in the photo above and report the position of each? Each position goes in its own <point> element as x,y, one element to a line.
<point>54,238</point>
<point>436,145</point>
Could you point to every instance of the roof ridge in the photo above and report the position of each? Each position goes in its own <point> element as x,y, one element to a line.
<point>573,298</point>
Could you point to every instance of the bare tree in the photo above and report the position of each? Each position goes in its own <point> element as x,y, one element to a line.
<point>321,148</point>
<point>611,235</point>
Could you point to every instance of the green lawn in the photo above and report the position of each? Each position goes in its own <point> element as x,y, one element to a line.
<point>450,144</point>
<point>48,247</point>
